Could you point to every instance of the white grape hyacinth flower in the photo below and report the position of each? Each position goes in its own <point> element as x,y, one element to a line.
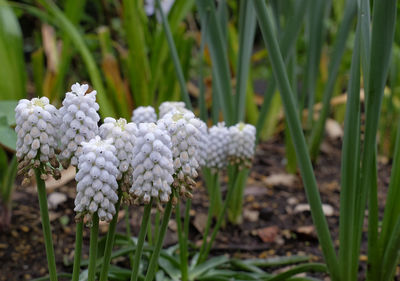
<point>97,180</point>
<point>79,122</point>
<point>217,146</point>
<point>169,106</point>
<point>242,144</point>
<point>144,114</point>
<point>37,122</point>
<point>123,138</point>
<point>203,143</point>
<point>182,126</point>
<point>150,7</point>
<point>152,164</point>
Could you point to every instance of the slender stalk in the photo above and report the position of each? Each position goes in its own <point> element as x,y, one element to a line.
<point>78,250</point>
<point>94,234</point>
<point>128,232</point>
<point>208,225</point>
<point>160,240</point>
<point>110,242</point>
<point>150,233</point>
<point>181,240</point>
<point>186,233</point>
<point>44,214</point>
<point>296,132</point>
<point>174,55</point>
<point>142,236</point>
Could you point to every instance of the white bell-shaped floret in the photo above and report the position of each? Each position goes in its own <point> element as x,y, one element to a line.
<point>79,122</point>
<point>152,163</point>
<point>97,179</point>
<point>144,114</point>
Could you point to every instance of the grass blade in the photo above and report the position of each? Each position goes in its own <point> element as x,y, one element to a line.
<point>247,28</point>
<point>337,53</point>
<point>350,166</point>
<point>309,267</point>
<point>12,70</point>
<point>298,138</point>
<point>94,73</point>
<point>175,58</point>
<point>219,58</point>
<point>139,68</point>
<point>287,45</point>
<point>316,30</point>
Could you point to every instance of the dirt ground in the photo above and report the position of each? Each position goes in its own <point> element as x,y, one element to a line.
<point>276,220</point>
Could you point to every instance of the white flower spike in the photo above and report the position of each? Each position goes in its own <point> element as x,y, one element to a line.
<point>79,122</point>
<point>182,125</point>
<point>123,138</point>
<point>169,106</point>
<point>217,146</point>
<point>97,180</point>
<point>144,114</point>
<point>37,122</point>
<point>242,144</point>
<point>152,164</point>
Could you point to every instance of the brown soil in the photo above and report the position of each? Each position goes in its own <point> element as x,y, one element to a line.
<point>269,209</point>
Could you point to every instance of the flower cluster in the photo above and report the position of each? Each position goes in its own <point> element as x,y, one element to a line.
<point>79,122</point>
<point>97,179</point>
<point>169,106</point>
<point>144,114</point>
<point>182,127</point>
<point>37,122</point>
<point>217,146</point>
<point>152,164</point>
<point>242,144</point>
<point>123,138</point>
<point>150,7</point>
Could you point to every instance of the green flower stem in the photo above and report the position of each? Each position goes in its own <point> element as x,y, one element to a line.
<point>150,233</point>
<point>110,242</point>
<point>181,241</point>
<point>128,232</point>
<point>186,232</point>
<point>94,234</point>
<point>208,224</point>
<point>142,236</point>
<point>78,250</point>
<point>151,271</point>
<point>44,214</point>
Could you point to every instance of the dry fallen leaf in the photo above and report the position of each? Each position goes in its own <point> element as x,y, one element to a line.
<point>55,199</point>
<point>333,129</point>
<point>66,176</point>
<point>268,234</point>
<point>251,215</point>
<point>280,179</point>
<point>200,221</point>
